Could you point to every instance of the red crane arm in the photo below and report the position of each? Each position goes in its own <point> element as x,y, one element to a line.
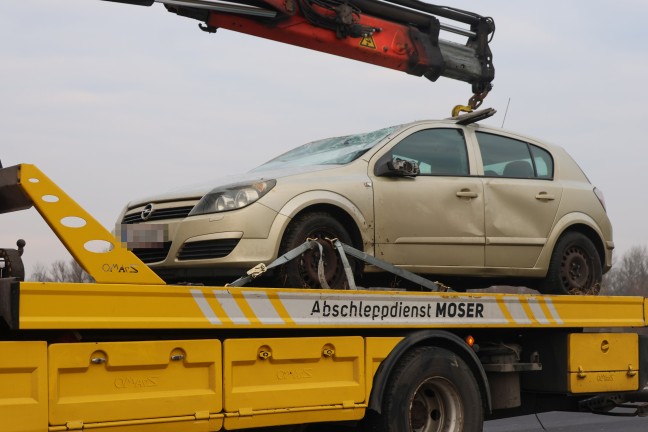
<point>397,34</point>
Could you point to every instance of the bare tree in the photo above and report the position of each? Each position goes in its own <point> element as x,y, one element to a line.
<point>629,275</point>
<point>40,273</point>
<point>60,271</point>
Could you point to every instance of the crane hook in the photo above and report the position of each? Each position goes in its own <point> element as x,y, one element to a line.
<point>474,102</point>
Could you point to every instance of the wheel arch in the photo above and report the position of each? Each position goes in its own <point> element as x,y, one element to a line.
<point>340,207</point>
<point>437,338</point>
<point>339,214</point>
<point>591,234</point>
<point>574,222</point>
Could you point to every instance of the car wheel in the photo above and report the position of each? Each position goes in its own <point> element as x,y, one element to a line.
<point>431,389</point>
<point>301,272</point>
<point>575,267</point>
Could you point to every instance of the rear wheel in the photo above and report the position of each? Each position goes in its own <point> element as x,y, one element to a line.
<point>575,267</point>
<point>431,390</point>
<point>302,271</point>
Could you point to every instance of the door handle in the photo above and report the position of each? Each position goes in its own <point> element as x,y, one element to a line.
<point>544,196</point>
<point>467,193</point>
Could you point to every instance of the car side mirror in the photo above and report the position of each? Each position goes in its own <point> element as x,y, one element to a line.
<point>396,167</point>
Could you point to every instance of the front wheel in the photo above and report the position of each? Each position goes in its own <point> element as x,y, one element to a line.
<point>432,389</point>
<point>575,267</point>
<point>301,272</point>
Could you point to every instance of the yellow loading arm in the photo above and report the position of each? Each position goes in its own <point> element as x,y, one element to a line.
<point>92,246</point>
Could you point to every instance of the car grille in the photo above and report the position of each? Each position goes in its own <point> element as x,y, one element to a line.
<point>151,255</point>
<point>207,249</point>
<point>159,214</point>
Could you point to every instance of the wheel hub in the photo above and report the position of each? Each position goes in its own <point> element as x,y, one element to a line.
<point>309,262</point>
<point>576,268</point>
<point>436,407</point>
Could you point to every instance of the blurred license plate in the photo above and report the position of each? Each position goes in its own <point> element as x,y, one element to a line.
<point>143,235</point>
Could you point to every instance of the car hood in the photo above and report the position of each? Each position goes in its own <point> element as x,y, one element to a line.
<point>198,190</point>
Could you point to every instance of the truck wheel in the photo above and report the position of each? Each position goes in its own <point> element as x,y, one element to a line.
<point>575,267</point>
<point>431,389</point>
<point>302,271</point>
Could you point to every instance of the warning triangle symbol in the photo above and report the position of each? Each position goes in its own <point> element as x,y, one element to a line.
<point>368,42</point>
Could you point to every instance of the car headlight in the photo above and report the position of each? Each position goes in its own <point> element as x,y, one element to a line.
<point>232,197</point>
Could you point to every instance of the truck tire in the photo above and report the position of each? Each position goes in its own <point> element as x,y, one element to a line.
<point>431,389</point>
<point>575,267</point>
<point>302,271</point>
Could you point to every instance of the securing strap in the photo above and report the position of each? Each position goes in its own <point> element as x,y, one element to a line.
<point>343,250</point>
<point>345,263</point>
<point>260,269</point>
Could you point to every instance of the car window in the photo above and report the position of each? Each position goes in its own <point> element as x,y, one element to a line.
<point>508,157</point>
<point>543,162</point>
<point>437,151</point>
<point>329,151</point>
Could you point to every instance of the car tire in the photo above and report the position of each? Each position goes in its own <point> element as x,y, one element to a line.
<point>301,272</point>
<point>575,267</point>
<point>431,389</point>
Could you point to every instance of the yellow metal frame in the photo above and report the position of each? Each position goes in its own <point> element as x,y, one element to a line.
<point>94,248</point>
<point>45,305</point>
<point>603,362</point>
<point>23,386</point>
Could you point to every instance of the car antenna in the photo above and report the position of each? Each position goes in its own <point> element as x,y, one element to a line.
<point>506,112</point>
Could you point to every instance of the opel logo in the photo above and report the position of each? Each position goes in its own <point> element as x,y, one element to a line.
<point>147,211</point>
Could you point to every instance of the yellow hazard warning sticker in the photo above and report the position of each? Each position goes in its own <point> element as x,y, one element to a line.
<point>368,42</point>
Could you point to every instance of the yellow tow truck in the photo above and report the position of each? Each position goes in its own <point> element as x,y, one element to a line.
<point>130,353</point>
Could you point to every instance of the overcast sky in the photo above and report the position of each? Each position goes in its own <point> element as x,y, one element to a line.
<point>115,102</point>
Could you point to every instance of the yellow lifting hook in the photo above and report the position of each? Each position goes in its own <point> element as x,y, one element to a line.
<point>473,103</point>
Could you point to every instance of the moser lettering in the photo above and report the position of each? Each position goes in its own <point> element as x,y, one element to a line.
<point>381,312</point>
<point>460,310</point>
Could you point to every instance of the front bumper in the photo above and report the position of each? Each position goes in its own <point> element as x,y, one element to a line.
<point>218,244</point>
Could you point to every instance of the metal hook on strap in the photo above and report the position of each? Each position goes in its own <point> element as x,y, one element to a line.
<point>343,250</point>
<point>260,269</point>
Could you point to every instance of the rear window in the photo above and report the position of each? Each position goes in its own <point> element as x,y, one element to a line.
<point>511,158</point>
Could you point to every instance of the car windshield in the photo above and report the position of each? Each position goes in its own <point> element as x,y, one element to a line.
<point>329,151</point>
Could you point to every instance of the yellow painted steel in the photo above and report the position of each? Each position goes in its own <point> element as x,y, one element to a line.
<point>599,311</point>
<point>129,381</point>
<point>23,386</point>
<point>161,424</point>
<point>376,351</point>
<point>105,306</point>
<point>94,248</point>
<point>545,309</point>
<point>603,362</point>
<point>266,374</point>
<point>281,417</point>
<point>46,305</point>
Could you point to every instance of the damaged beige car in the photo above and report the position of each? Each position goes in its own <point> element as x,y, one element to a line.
<point>438,198</point>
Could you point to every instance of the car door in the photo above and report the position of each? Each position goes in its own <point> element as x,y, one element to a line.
<point>435,219</point>
<point>521,197</point>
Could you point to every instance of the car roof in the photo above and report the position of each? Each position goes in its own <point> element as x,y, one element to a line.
<point>471,120</point>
